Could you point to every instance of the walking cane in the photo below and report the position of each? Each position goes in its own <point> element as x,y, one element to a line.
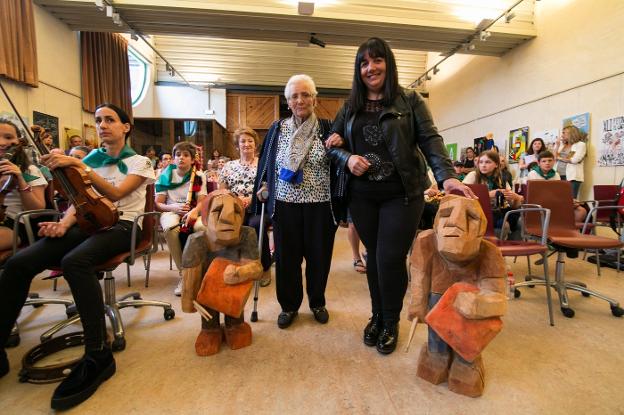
<point>254,313</point>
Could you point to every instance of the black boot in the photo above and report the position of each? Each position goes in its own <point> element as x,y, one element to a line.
<point>84,379</point>
<point>388,338</point>
<point>4,363</point>
<point>372,329</point>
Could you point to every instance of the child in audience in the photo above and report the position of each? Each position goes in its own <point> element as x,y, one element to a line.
<point>459,169</point>
<point>544,169</point>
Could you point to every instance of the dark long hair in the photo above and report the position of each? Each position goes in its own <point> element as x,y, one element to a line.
<point>123,116</point>
<point>20,158</point>
<point>530,149</point>
<point>375,48</point>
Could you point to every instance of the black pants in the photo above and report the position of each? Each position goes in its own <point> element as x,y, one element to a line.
<point>387,226</point>
<point>302,230</point>
<point>77,253</point>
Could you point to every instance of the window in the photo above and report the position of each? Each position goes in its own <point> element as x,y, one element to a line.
<point>138,76</point>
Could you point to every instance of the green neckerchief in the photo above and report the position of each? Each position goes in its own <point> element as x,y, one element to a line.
<point>491,184</point>
<point>546,176</point>
<point>29,177</point>
<point>99,158</point>
<point>164,180</point>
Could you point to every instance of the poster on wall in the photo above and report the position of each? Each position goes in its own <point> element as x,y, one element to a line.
<point>517,143</point>
<point>549,137</point>
<point>479,144</point>
<point>610,148</point>
<point>452,151</point>
<point>89,136</point>
<point>50,123</point>
<point>580,121</point>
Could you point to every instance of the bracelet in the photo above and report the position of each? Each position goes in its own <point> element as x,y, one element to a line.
<point>26,189</point>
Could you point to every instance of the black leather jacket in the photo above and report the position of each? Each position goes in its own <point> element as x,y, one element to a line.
<point>412,140</point>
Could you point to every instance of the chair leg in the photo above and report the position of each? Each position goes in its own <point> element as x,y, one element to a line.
<point>47,335</point>
<point>147,269</point>
<point>548,294</point>
<point>128,273</point>
<point>598,261</point>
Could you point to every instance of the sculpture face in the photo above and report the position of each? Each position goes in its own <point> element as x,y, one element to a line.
<point>223,219</point>
<point>459,226</point>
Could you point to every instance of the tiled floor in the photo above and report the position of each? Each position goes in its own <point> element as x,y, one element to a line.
<point>532,368</point>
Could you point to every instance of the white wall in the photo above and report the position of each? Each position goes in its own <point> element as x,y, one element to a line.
<point>182,102</point>
<point>58,94</point>
<point>575,65</point>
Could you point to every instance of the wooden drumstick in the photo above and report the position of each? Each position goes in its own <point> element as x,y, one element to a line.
<point>411,334</point>
<point>202,311</point>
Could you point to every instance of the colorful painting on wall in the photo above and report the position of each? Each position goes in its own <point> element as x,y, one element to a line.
<point>610,145</point>
<point>580,121</point>
<point>50,123</point>
<point>517,143</point>
<point>89,136</point>
<point>452,151</point>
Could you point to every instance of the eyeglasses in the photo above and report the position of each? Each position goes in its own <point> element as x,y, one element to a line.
<point>303,96</point>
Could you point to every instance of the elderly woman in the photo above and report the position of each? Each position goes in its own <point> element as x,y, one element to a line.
<point>296,169</point>
<point>238,176</point>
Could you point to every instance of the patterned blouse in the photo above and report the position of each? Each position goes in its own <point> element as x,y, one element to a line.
<point>315,185</point>
<point>239,178</point>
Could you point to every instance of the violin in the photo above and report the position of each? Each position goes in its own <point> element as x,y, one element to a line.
<point>93,212</point>
<point>7,181</point>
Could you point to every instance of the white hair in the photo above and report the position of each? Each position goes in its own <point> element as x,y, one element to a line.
<point>300,78</point>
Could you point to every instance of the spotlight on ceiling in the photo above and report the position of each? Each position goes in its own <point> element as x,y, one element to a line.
<point>134,36</point>
<point>117,19</point>
<point>306,8</point>
<point>99,4</point>
<point>316,41</point>
<point>509,17</point>
<point>109,11</point>
<point>484,35</point>
<point>469,46</point>
<point>436,70</point>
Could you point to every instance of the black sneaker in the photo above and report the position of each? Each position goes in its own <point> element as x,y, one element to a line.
<point>4,363</point>
<point>84,379</point>
<point>286,318</point>
<point>320,314</point>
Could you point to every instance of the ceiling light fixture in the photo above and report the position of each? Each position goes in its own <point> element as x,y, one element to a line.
<point>305,8</point>
<point>316,41</point>
<point>509,16</point>
<point>99,4</point>
<point>436,70</point>
<point>109,11</point>
<point>484,35</point>
<point>117,19</point>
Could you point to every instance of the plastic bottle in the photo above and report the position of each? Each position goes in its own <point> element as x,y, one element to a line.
<point>511,281</point>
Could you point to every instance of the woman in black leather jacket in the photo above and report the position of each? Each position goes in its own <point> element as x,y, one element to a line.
<point>386,136</point>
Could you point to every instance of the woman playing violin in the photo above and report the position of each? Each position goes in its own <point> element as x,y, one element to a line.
<point>23,182</point>
<point>121,175</point>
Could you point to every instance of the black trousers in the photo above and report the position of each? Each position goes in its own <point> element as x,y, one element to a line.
<point>387,226</point>
<point>302,230</point>
<point>77,253</point>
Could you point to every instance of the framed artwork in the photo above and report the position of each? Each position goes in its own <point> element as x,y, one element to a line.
<point>479,144</point>
<point>580,121</point>
<point>89,136</point>
<point>549,137</point>
<point>517,143</point>
<point>50,123</point>
<point>611,143</point>
<point>452,151</point>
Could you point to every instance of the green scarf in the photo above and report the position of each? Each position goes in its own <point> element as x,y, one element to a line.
<point>546,176</point>
<point>28,177</point>
<point>491,184</point>
<point>99,158</point>
<point>164,180</point>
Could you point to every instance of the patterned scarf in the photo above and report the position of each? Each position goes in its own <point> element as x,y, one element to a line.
<point>545,176</point>
<point>99,158</point>
<point>164,182</point>
<point>298,148</point>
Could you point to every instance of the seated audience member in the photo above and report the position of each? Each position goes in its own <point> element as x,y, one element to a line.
<point>502,197</point>
<point>238,176</point>
<point>544,169</point>
<point>29,183</point>
<point>74,141</point>
<point>505,173</point>
<point>120,175</point>
<point>79,152</point>
<point>469,161</point>
<point>458,166</point>
<point>165,160</point>
<point>179,217</point>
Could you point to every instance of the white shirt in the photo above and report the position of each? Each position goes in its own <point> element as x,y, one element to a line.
<point>132,205</point>
<point>180,193</point>
<point>13,199</point>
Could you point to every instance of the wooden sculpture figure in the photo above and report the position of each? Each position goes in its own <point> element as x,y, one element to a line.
<point>219,265</point>
<point>458,289</point>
